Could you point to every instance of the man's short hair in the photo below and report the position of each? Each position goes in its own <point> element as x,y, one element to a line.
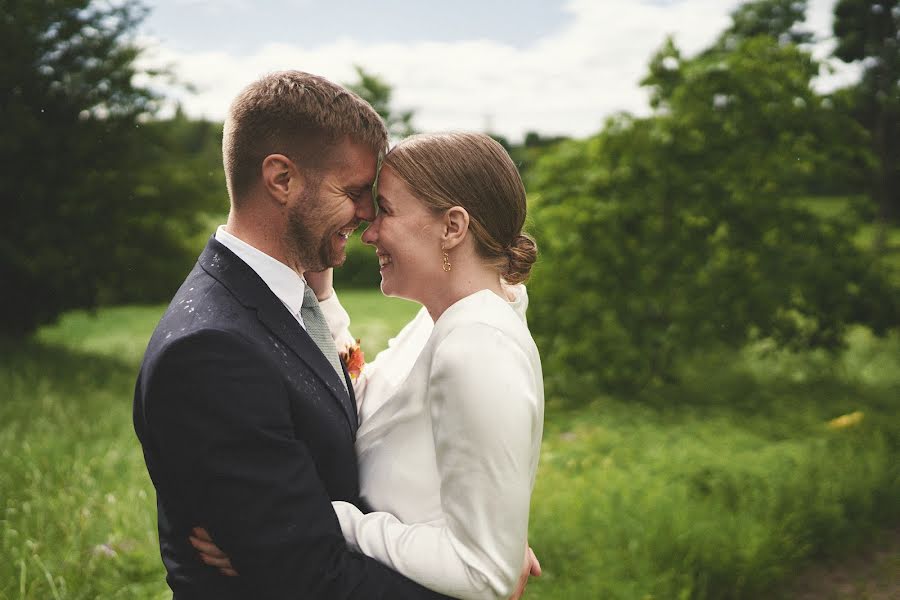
<point>296,114</point>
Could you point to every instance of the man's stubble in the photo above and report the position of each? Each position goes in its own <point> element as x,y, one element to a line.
<point>307,235</point>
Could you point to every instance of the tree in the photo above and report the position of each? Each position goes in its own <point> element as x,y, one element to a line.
<point>778,19</point>
<point>868,32</point>
<point>377,92</point>
<point>181,182</point>
<point>84,215</point>
<point>666,235</point>
<point>532,147</point>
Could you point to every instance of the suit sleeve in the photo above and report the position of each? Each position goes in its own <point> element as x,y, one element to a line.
<point>222,423</point>
<point>484,412</point>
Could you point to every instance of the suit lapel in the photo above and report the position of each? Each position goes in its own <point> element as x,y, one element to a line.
<point>222,264</point>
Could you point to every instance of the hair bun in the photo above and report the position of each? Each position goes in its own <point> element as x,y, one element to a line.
<point>521,255</point>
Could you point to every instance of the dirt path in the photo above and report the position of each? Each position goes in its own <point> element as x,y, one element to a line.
<point>873,574</point>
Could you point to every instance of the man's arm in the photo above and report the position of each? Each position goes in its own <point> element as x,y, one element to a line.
<point>221,419</point>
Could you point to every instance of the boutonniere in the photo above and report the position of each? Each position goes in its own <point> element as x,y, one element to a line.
<point>354,359</point>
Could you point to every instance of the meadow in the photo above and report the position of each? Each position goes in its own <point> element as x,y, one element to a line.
<point>725,485</point>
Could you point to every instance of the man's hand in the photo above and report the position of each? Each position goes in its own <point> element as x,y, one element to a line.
<point>530,567</point>
<point>321,283</point>
<point>210,553</point>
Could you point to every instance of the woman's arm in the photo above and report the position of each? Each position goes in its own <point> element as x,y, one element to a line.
<point>484,405</point>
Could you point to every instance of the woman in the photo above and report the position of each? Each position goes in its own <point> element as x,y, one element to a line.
<point>451,414</point>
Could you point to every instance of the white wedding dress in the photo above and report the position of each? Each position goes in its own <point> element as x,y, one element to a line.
<point>451,418</point>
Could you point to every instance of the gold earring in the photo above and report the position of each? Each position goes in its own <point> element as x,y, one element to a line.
<point>446,258</point>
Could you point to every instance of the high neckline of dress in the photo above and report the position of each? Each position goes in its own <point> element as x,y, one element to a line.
<point>473,298</point>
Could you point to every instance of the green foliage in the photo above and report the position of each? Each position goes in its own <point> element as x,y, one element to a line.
<point>376,318</point>
<point>720,487</point>
<point>524,155</point>
<point>724,485</point>
<point>360,270</point>
<point>69,111</point>
<point>868,32</point>
<point>77,509</point>
<point>77,513</point>
<point>94,206</point>
<point>666,235</point>
<point>865,28</point>
<point>183,195</point>
<point>777,19</point>
<point>377,92</point>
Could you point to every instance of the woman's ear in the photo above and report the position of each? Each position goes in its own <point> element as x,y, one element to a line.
<point>280,177</point>
<point>456,226</point>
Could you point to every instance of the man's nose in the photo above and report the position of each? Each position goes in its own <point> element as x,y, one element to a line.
<point>365,209</point>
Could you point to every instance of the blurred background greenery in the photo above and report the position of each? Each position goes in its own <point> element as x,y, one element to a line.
<point>716,304</point>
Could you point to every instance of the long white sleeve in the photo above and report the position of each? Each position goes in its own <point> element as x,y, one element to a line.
<point>486,410</point>
<point>338,322</point>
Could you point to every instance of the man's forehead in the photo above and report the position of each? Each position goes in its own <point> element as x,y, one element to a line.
<point>354,158</point>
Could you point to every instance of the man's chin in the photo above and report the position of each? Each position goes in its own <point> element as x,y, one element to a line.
<point>337,259</point>
<point>333,256</point>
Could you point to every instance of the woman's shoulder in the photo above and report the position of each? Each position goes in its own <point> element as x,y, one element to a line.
<point>481,315</point>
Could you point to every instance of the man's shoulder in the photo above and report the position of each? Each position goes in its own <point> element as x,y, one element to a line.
<point>202,307</point>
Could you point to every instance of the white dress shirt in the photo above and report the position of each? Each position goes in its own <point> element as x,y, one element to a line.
<point>284,282</point>
<point>449,453</point>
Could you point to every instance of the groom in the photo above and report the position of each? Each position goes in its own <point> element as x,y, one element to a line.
<point>245,414</point>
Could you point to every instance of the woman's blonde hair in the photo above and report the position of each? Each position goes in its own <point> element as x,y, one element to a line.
<point>473,171</point>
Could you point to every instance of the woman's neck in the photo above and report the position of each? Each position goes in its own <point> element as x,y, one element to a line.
<point>463,282</point>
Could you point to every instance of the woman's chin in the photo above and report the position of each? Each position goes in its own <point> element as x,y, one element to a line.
<point>389,290</point>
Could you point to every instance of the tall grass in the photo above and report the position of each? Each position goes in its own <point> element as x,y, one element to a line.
<point>726,485</point>
<point>78,512</point>
<point>77,509</point>
<point>720,487</point>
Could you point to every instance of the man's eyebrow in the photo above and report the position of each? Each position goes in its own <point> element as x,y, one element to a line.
<point>357,189</point>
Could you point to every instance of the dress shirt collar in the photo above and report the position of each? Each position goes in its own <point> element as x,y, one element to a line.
<point>281,279</point>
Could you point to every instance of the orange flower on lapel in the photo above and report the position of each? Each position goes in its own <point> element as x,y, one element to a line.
<point>354,359</point>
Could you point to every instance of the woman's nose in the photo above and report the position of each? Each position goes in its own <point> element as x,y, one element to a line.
<point>370,235</point>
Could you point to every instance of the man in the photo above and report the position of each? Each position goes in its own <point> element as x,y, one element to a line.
<point>246,416</point>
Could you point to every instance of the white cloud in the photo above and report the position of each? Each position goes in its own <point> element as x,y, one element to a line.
<point>566,82</point>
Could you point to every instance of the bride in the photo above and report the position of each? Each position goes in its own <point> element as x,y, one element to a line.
<point>451,413</point>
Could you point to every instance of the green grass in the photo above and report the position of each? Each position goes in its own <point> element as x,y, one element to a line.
<point>77,510</point>
<point>375,318</point>
<point>122,332</point>
<point>721,487</point>
<point>725,486</point>
<point>77,515</point>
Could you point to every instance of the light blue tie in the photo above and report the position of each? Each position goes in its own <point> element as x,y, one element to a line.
<point>318,330</point>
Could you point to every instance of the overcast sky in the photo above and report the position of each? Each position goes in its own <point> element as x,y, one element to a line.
<point>552,66</point>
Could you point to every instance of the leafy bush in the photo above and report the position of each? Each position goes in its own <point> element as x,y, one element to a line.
<point>666,235</point>
<point>360,270</point>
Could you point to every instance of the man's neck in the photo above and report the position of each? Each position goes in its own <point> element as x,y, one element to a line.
<point>266,241</point>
